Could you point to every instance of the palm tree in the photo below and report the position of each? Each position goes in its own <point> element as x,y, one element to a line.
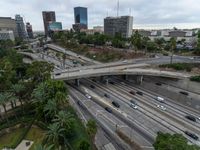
<point>60,98</point>
<point>55,135</point>
<point>136,40</point>
<point>173,46</point>
<point>19,91</point>
<point>145,42</point>
<point>50,108</point>
<point>4,99</point>
<point>39,94</point>
<point>64,119</point>
<point>41,147</point>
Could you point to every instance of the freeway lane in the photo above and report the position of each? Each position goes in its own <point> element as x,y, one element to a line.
<point>139,116</point>
<point>109,120</point>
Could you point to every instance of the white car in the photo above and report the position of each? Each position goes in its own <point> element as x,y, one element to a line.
<point>161,107</point>
<point>134,106</point>
<point>88,96</point>
<point>124,61</point>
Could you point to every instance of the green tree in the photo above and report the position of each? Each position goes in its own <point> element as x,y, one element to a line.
<point>84,145</point>
<point>166,141</point>
<point>173,47</point>
<point>91,128</point>
<point>41,147</point>
<point>55,135</point>
<point>145,41</point>
<point>136,40</point>
<point>19,91</point>
<point>50,109</point>
<point>64,119</point>
<point>40,71</point>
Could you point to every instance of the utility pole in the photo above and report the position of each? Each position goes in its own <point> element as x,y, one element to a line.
<point>117,8</point>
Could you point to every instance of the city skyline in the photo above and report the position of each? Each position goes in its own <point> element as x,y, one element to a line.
<point>145,13</point>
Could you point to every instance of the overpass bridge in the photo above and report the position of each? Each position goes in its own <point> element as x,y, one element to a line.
<point>134,69</point>
<point>117,68</point>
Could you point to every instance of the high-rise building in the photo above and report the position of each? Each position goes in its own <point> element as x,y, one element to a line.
<point>122,25</point>
<point>8,24</point>
<point>29,30</point>
<point>80,18</point>
<point>20,27</point>
<point>48,18</point>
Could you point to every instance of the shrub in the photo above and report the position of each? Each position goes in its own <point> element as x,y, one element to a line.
<point>195,78</point>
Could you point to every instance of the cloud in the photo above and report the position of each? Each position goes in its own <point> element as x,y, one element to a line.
<point>144,11</point>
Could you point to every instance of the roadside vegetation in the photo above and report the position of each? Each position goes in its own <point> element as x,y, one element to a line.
<point>166,141</point>
<point>195,78</point>
<point>181,66</point>
<point>39,107</point>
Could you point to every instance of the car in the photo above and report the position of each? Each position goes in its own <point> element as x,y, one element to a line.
<point>184,93</point>
<point>133,102</point>
<point>133,106</point>
<point>139,93</point>
<point>94,80</point>
<point>79,103</point>
<point>160,99</point>
<point>132,92</point>
<point>111,82</point>
<point>124,61</point>
<point>192,118</point>
<point>106,95</point>
<point>88,96</point>
<point>108,109</point>
<point>192,135</point>
<point>161,107</point>
<point>92,86</point>
<point>115,104</point>
<point>159,84</point>
<point>57,74</point>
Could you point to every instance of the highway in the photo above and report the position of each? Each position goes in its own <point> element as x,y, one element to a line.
<point>139,125</point>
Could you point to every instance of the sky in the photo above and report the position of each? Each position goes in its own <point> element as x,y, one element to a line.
<point>146,13</point>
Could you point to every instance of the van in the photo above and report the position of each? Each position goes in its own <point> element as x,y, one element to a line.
<point>160,99</point>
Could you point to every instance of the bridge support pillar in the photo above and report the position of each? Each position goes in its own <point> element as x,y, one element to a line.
<point>139,79</point>
<point>125,77</point>
<point>101,78</point>
<point>107,80</point>
<point>77,82</point>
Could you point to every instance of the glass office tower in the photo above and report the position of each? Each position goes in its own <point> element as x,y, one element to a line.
<point>80,16</point>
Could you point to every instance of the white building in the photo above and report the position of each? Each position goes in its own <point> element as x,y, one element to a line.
<point>7,35</point>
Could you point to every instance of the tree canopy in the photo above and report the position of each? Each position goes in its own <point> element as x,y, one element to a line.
<point>166,141</point>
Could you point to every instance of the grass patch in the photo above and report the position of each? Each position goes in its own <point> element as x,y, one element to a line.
<point>80,132</point>
<point>11,139</point>
<point>35,134</point>
<point>180,66</point>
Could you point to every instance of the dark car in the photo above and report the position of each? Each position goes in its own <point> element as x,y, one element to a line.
<point>57,74</point>
<point>192,118</point>
<point>111,82</point>
<point>94,80</point>
<point>132,92</point>
<point>159,84</point>
<point>192,135</point>
<point>184,93</point>
<point>115,104</point>
<point>139,93</point>
<point>108,109</point>
<point>92,86</point>
<point>106,95</point>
